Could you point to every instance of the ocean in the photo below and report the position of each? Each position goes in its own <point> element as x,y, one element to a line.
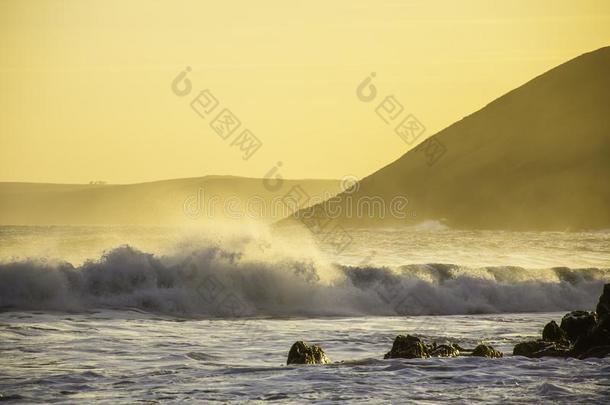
<point>170,315</point>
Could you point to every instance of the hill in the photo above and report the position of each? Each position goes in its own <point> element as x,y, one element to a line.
<point>537,158</point>
<point>168,202</point>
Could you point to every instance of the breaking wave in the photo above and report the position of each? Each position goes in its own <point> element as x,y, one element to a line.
<point>217,282</point>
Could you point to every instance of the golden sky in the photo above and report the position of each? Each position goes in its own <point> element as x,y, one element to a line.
<point>85,86</point>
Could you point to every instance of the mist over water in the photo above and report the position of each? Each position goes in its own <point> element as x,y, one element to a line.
<point>252,272</point>
<point>209,314</point>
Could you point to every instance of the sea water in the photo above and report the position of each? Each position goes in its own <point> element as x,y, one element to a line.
<point>162,315</point>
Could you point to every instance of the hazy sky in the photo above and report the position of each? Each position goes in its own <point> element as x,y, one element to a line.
<point>85,85</point>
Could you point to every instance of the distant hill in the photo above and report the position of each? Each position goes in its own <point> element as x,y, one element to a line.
<point>168,202</point>
<point>537,158</point>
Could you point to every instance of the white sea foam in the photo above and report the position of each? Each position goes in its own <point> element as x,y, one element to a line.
<point>144,314</point>
<point>230,282</point>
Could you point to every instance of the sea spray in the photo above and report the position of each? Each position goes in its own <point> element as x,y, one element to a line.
<point>213,281</point>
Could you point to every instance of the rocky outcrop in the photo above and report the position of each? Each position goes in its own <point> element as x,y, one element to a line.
<point>603,306</point>
<point>596,343</point>
<point>302,353</point>
<point>412,347</point>
<point>553,333</point>
<point>541,348</point>
<point>443,350</point>
<point>486,351</point>
<point>407,347</point>
<point>595,351</point>
<point>578,323</point>
<point>582,334</point>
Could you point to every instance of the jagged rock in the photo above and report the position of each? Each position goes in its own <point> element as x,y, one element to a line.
<point>540,348</point>
<point>443,351</point>
<point>302,353</point>
<point>407,347</point>
<point>598,337</point>
<point>553,333</point>
<point>486,351</point>
<point>578,323</point>
<point>587,335</point>
<point>603,306</point>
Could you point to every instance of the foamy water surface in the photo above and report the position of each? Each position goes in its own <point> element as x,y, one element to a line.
<point>179,317</point>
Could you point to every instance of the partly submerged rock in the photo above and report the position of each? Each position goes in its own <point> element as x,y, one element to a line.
<point>578,323</point>
<point>302,353</point>
<point>603,306</point>
<point>596,342</point>
<point>486,351</point>
<point>407,347</point>
<point>412,347</point>
<point>461,349</point>
<point>540,348</point>
<point>599,337</point>
<point>587,334</point>
<point>553,333</point>
<point>443,350</point>
<point>595,351</point>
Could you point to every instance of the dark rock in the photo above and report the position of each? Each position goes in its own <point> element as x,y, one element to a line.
<point>587,335</point>
<point>603,306</point>
<point>578,323</point>
<point>443,351</point>
<point>596,351</point>
<point>553,333</point>
<point>594,342</point>
<point>541,348</point>
<point>599,336</point>
<point>302,353</point>
<point>407,347</point>
<point>486,351</point>
<point>461,349</point>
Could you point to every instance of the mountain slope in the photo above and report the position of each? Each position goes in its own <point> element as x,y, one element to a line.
<point>168,202</point>
<point>536,158</point>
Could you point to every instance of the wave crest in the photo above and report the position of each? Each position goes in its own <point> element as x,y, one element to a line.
<point>217,282</point>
